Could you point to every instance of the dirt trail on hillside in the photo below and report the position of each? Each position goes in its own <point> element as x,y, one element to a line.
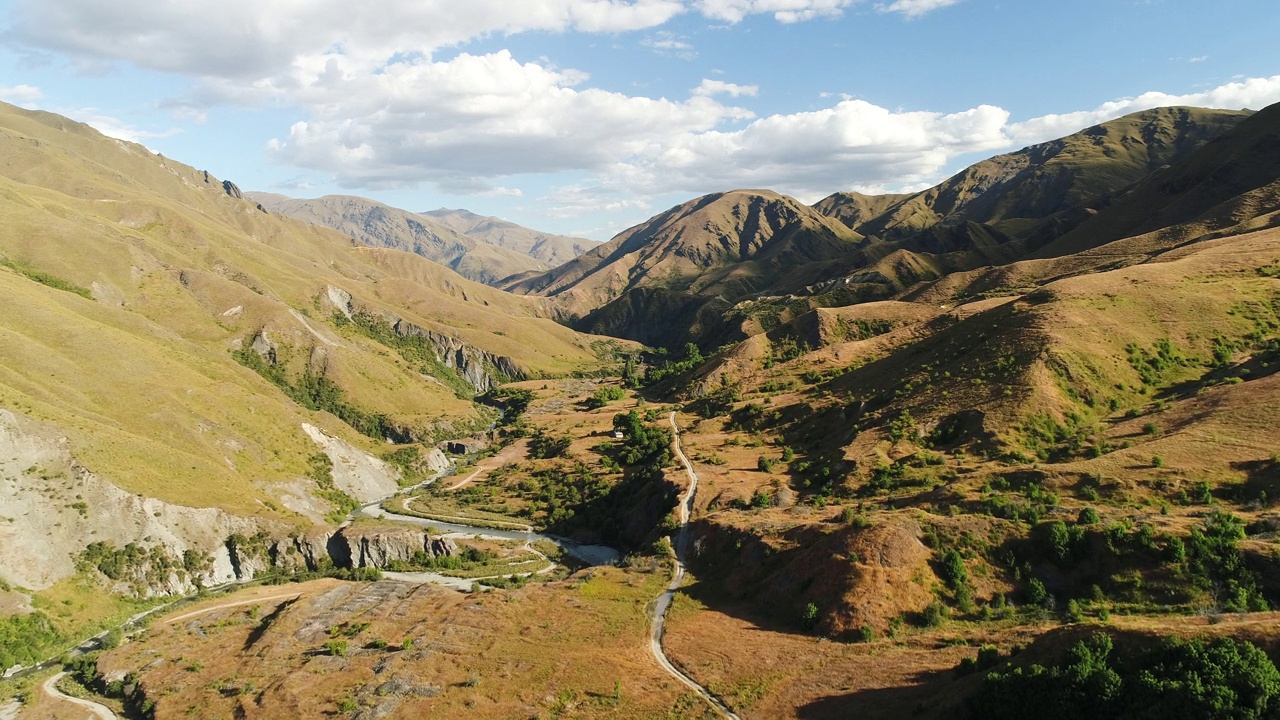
<point>508,455</point>
<point>95,710</point>
<point>663,602</point>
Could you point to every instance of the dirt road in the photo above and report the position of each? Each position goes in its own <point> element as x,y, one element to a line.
<point>663,602</point>
<point>93,709</point>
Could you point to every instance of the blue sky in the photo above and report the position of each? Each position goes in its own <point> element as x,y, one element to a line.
<point>587,116</point>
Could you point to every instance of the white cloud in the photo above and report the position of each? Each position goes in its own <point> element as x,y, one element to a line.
<point>915,8</point>
<point>717,87</point>
<point>458,122</point>
<point>813,153</point>
<point>1198,59</point>
<point>578,199</point>
<point>784,11</point>
<point>1254,93</point>
<point>112,126</point>
<point>665,43</point>
<point>20,93</point>
<point>246,38</point>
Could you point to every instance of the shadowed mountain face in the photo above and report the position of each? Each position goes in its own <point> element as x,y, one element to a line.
<point>724,246</point>
<point>1028,198</point>
<point>552,250</point>
<point>378,225</point>
<point>1230,184</point>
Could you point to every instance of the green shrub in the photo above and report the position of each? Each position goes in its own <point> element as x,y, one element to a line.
<point>543,446</point>
<point>952,569</point>
<point>604,395</point>
<point>1224,678</point>
<point>935,614</point>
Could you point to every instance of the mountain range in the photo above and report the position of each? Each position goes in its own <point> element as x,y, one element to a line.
<point>483,249</point>
<point>938,439</point>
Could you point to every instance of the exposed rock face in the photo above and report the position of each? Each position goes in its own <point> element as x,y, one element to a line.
<point>377,547</point>
<point>264,347</point>
<point>464,446</point>
<point>339,299</point>
<point>475,365</point>
<point>349,547</point>
<point>63,507</point>
<point>232,190</point>
<point>355,472</point>
<point>480,369</point>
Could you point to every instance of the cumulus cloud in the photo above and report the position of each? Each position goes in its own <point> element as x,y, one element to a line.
<point>580,199</point>
<point>475,116</point>
<point>1254,93</point>
<point>784,11</point>
<point>113,126</point>
<point>248,38</point>
<point>813,153</point>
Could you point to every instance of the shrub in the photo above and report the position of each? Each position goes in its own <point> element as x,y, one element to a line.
<point>953,571</point>
<point>543,446</point>
<point>1036,592</point>
<point>1223,678</point>
<point>935,614</point>
<point>810,616</point>
<point>605,395</point>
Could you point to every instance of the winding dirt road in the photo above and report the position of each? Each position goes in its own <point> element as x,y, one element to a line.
<point>663,602</point>
<point>50,688</point>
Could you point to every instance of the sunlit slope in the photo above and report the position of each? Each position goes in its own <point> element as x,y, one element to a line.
<point>179,273</point>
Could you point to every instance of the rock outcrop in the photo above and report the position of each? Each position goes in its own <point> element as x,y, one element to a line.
<point>353,546</point>
<point>52,508</point>
<point>379,546</point>
<point>483,370</point>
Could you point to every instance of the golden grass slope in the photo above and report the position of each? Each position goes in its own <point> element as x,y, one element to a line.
<point>141,378</point>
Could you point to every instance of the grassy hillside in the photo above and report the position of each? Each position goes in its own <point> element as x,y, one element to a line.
<point>1040,192</point>
<point>131,279</point>
<point>1228,185</point>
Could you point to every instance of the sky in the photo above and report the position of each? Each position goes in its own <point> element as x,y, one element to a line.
<point>584,117</point>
